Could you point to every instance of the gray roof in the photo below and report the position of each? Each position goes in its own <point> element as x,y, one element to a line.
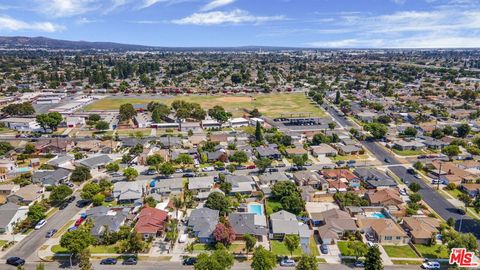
<point>267,151</point>
<point>200,182</point>
<point>50,177</point>
<point>95,161</point>
<point>60,160</point>
<point>272,177</point>
<point>283,215</point>
<point>167,185</point>
<point>233,179</point>
<point>375,178</point>
<point>104,217</point>
<point>243,223</point>
<point>203,221</point>
<point>128,190</point>
<point>7,212</point>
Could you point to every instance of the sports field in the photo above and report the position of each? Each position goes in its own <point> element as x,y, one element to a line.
<point>272,105</point>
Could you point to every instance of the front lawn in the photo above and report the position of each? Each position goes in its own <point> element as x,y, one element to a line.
<point>313,247</point>
<point>235,247</point>
<point>349,157</point>
<point>400,251</point>
<point>100,249</point>
<point>272,207</point>
<point>408,152</point>
<point>344,249</point>
<point>433,252</point>
<point>407,262</point>
<point>278,248</point>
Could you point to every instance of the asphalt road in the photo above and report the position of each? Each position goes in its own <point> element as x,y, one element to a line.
<point>380,153</point>
<point>439,204</point>
<point>26,249</point>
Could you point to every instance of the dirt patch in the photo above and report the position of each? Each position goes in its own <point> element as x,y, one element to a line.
<point>235,99</point>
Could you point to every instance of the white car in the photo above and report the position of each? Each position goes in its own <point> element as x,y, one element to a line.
<point>431,265</point>
<point>287,262</point>
<point>370,244</point>
<point>208,169</point>
<point>40,224</point>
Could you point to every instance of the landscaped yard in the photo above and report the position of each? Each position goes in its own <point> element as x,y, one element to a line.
<point>279,248</point>
<point>349,157</point>
<point>408,152</point>
<point>400,251</point>
<point>407,262</point>
<point>236,247</point>
<point>344,250</point>
<point>100,249</point>
<point>272,207</point>
<point>272,105</point>
<point>313,247</point>
<point>433,252</point>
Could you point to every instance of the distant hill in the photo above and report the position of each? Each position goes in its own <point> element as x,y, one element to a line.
<point>49,43</point>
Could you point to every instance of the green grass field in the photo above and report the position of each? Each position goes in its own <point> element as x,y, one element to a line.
<point>272,105</point>
<point>408,152</point>
<point>273,206</point>
<point>278,248</point>
<point>433,252</point>
<point>400,251</point>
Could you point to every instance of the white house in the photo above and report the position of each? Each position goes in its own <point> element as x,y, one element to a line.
<point>238,122</point>
<point>21,124</point>
<point>10,215</point>
<point>75,121</point>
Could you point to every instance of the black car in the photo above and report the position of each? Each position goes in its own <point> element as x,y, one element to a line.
<point>189,175</point>
<point>15,261</point>
<point>83,203</point>
<point>109,261</point>
<point>109,199</point>
<point>130,261</point>
<point>50,233</point>
<point>63,206</point>
<point>189,261</point>
<point>387,160</point>
<point>324,249</point>
<point>461,211</point>
<point>71,199</point>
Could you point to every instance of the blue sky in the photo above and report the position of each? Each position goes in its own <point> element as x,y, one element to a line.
<point>294,23</point>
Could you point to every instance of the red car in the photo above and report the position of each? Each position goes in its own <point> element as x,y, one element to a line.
<point>79,222</point>
<point>250,167</point>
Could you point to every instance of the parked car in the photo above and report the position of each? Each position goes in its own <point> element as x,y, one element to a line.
<point>40,224</point>
<point>387,160</point>
<point>370,244</point>
<point>189,261</point>
<point>63,206</point>
<point>71,199</point>
<point>178,171</point>
<point>272,170</point>
<point>182,238</point>
<point>189,175</point>
<point>220,169</point>
<point>109,199</point>
<point>50,233</point>
<point>324,248</point>
<point>79,221</point>
<point>83,203</point>
<point>431,265</point>
<point>130,261</point>
<point>358,264</point>
<point>411,171</point>
<point>287,262</point>
<point>109,261</point>
<point>15,261</point>
<point>208,169</point>
<point>251,167</point>
<point>72,228</point>
<point>403,192</point>
<point>240,167</point>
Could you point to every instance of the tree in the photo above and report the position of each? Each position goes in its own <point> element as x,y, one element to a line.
<point>172,231</point>
<point>218,201</point>
<point>166,168</point>
<point>85,263</point>
<point>218,113</point>
<point>89,190</point>
<point>29,149</point>
<point>130,173</point>
<point>258,132</point>
<point>49,120</point>
<point>19,109</point>
<point>76,241</point>
<point>332,125</point>
<point>414,187</point>
<point>451,151</point>
<point>36,213</point>
<point>80,174</point>
<point>410,131</point>
<point>373,261</point>
<point>293,203</point>
<point>300,160</point>
<point>224,233</point>
<point>307,262</point>
<point>283,189</point>
<point>239,157</point>
<point>448,130</point>
<point>463,130</point>
<point>98,199</point>
<point>133,244</point>
<point>437,133</point>
<point>184,159</point>
<point>219,260</point>
<point>415,197</point>
<point>377,130</point>
<point>154,160</point>
<point>94,117</point>
<point>5,147</point>
<point>418,165</point>
<point>263,259</point>
<point>102,125</point>
<point>77,156</point>
<point>127,112</point>
<point>451,222</point>
<point>337,97</point>
<point>60,193</point>
<point>112,167</point>
<point>359,249</point>
<point>262,164</point>
<point>250,242</point>
<point>465,198</point>
<point>292,241</point>
<point>40,266</point>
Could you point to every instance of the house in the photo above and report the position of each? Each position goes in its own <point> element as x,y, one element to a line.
<point>434,144</point>
<point>268,152</point>
<point>238,122</point>
<point>333,224</point>
<point>383,231</point>
<point>346,150</point>
<point>51,178</point>
<point>251,223</point>
<point>200,184</point>
<point>313,179</point>
<point>151,222</point>
<point>320,218</point>
<point>95,162</point>
<point>10,215</point>
<point>291,152</point>
<point>271,178</point>
<point>471,189</point>
<point>323,150</point>
<point>105,218</point>
<point>128,192</point>
<point>167,187</point>
<point>53,146</point>
<point>421,229</point>
<point>241,184</point>
<point>8,189</point>
<point>375,178</point>
<point>342,175</point>
<point>62,161</point>
<point>202,222</point>
<point>92,146</point>
<point>6,166</point>
<point>26,195</point>
<point>210,124</point>
<point>385,197</point>
<point>283,223</point>
<point>73,121</point>
<point>366,116</point>
<point>217,155</point>
<point>22,124</point>
<point>408,145</point>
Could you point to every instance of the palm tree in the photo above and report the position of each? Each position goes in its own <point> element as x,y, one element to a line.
<point>172,232</point>
<point>177,203</point>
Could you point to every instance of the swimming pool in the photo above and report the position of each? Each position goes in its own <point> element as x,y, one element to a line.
<point>255,208</point>
<point>23,169</point>
<point>375,215</point>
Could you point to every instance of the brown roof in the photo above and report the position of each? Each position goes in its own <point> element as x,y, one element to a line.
<point>382,196</point>
<point>382,226</point>
<point>151,220</point>
<point>421,227</point>
<point>340,173</point>
<point>296,151</point>
<point>330,214</point>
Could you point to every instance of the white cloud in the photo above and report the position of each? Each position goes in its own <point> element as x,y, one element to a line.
<point>84,20</point>
<point>149,3</point>
<point>399,2</point>
<point>236,16</point>
<point>216,4</point>
<point>11,24</point>
<point>66,8</point>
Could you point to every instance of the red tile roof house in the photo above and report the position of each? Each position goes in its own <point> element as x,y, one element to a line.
<point>151,222</point>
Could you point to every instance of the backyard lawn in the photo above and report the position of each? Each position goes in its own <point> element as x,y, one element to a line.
<point>433,252</point>
<point>400,251</point>
<point>344,250</point>
<point>272,207</point>
<point>279,248</point>
<point>273,105</point>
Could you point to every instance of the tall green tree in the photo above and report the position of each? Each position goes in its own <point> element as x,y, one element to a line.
<point>239,157</point>
<point>373,260</point>
<point>127,112</point>
<point>130,173</point>
<point>60,193</point>
<point>307,262</point>
<point>258,132</point>
<point>292,241</point>
<point>263,259</point>
<point>250,242</point>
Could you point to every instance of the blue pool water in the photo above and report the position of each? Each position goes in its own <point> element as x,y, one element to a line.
<point>23,169</point>
<point>376,215</point>
<point>256,209</point>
